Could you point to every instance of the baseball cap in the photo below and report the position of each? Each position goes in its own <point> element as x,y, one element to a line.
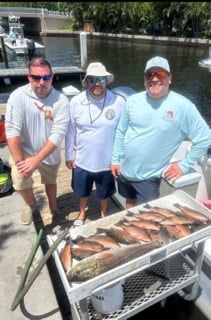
<point>157,62</point>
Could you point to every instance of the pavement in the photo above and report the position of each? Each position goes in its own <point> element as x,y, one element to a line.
<point>16,242</point>
<point>46,298</point>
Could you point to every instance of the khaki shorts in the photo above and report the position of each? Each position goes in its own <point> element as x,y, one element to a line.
<point>48,175</point>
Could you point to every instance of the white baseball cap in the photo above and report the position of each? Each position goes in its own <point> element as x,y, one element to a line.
<point>157,62</point>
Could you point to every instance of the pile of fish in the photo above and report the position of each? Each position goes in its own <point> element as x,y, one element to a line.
<point>182,222</point>
<point>129,238</point>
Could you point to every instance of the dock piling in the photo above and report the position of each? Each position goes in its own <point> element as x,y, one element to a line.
<point>83,48</point>
<point>4,54</point>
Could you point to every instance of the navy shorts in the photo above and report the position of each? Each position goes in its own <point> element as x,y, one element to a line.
<point>143,191</point>
<point>82,183</point>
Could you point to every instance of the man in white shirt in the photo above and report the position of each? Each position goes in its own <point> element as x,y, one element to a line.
<point>94,114</point>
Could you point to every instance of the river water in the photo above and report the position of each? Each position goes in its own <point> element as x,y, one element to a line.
<point>126,60</point>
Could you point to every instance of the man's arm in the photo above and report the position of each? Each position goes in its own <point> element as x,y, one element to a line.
<point>14,145</point>
<point>27,166</point>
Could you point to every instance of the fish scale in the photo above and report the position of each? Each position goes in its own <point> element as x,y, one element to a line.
<point>104,240</point>
<point>144,224</point>
<point>119,235</point>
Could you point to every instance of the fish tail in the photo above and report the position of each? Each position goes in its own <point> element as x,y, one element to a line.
<point>177,205</point>
<point>147,206</point>
<point>101,230</point>
<point>129,213</point>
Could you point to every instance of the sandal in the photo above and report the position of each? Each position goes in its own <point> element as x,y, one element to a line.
<point>78,223</point>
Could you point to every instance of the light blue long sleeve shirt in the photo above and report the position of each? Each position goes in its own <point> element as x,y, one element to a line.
<point>90,137</point>
<point>150,131</point>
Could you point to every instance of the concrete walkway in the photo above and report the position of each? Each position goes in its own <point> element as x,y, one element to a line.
<point>16,243</point>
<point>46,298</point>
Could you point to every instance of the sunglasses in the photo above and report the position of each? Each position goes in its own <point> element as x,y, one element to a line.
<point>158,74</point>
<point>101,80</point>
<point>38,78</point>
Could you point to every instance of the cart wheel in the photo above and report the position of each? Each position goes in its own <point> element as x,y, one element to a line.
<point>188,296</point>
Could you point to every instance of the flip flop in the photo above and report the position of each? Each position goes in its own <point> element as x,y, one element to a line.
<point>78,223</point>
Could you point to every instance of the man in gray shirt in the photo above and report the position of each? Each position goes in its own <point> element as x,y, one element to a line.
<point>36,122</point>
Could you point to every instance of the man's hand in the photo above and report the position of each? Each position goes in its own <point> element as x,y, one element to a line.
<point>115,170</point>
<point>173,172</point>
<point>27,166</point>
<point>70,164</point>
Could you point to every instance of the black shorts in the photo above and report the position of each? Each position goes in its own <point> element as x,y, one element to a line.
<point>143,191</point>
<point>82,183</point>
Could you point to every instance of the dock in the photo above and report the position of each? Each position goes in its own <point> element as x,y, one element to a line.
<point>13,75</point>
<point>46,299</point>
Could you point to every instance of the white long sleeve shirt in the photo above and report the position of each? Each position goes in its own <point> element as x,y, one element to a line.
<point>90,136</point>
<point>37,120</point>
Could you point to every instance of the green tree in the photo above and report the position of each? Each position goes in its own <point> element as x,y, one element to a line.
<point>181,19</point>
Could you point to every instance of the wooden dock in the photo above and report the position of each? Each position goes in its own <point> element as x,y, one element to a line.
<point>9,76</point>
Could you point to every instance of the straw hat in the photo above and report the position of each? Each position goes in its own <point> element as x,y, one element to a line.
<point>97,69</point>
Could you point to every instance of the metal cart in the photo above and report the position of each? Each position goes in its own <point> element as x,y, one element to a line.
<point>149,278</point>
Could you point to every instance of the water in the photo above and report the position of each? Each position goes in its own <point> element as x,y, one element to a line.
<point>127,59</point>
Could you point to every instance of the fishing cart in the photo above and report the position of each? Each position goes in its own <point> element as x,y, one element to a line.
<point>148,279</point>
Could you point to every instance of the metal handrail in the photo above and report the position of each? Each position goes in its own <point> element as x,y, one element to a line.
<point>40,11</point>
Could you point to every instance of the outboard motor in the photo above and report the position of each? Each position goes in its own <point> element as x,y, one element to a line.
<point>124,92</point>
<point>31,47</point>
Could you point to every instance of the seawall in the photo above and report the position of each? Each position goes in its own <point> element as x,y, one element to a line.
<point>147,39</point>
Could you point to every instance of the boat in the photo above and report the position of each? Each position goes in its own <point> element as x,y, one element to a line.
<point>206,63</point>
<point>193,186</point>
<point>20,45</point>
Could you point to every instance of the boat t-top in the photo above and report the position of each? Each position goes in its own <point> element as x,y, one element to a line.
<point>16,42</point>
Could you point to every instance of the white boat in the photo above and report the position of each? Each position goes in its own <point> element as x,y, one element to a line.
<point>21,45</point>
<point>206,63</point>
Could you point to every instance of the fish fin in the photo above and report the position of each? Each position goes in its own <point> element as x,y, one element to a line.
<point>104,255</point>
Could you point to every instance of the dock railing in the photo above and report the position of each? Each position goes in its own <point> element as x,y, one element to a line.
<point>36,11</point>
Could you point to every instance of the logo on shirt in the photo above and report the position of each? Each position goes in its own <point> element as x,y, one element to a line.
<point>169,115</point>
<point>110,114</point>
<point>47,112</point>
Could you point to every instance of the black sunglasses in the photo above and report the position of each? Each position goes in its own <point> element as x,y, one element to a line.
<point>38,78</point>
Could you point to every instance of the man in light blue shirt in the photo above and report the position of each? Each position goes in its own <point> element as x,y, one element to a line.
<point>152,126</point>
